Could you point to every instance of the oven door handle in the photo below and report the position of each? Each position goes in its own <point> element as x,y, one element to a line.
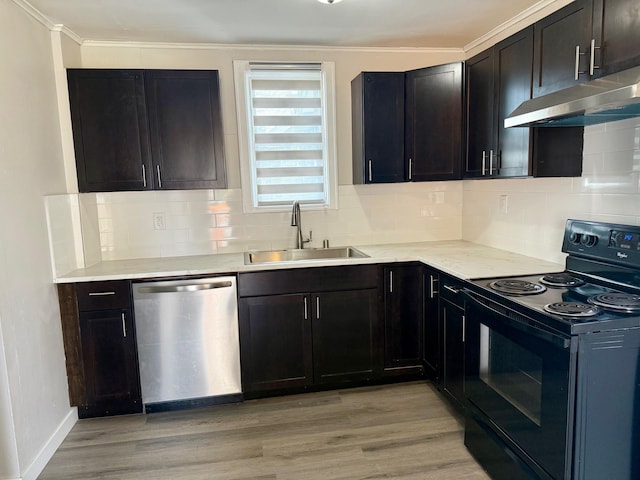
<point>538,332</point>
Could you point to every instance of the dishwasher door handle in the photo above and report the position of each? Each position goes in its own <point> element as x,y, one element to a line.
<point>195,287</point>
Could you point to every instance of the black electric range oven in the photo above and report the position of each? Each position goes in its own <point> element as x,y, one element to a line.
<point>552,364</point>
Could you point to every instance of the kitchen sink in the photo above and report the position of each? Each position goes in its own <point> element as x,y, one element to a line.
<point>297,255</point>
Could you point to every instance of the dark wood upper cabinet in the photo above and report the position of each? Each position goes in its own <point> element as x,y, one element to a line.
<point>146,129</point>
<point>185,124</point>
<point>498,81</point>
<point>512,60</point>
<point>433,125</point>
<point>562,46</point>
<point>110,131</point>
<point>616,35</point>
<point>479,113</point>
<point>377,109</point>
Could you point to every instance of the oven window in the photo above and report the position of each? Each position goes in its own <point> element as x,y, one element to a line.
<point>512,372</point>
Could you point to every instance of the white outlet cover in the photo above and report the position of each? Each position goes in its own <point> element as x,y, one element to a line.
<point>504,204</point>
<point>159,221</point>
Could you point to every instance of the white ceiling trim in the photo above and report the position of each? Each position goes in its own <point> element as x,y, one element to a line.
<point>524,15</point>
<point>231,46</point>
<point>44,20</point>
<point>68,32</point>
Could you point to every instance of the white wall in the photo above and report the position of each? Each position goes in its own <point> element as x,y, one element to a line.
<point>537,209</point>
<point>31,166</point>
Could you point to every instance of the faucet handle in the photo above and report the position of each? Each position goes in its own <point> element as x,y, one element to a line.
<point>308,240</point>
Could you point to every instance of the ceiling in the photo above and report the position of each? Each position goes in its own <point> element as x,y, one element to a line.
<point>351,23</point>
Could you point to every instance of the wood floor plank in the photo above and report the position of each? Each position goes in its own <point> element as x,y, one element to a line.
<point>401,431</point>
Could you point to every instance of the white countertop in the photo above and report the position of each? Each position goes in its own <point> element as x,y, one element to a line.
<point>459,258</point>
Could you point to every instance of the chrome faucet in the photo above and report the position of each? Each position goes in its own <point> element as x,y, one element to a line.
<point>296,221</point>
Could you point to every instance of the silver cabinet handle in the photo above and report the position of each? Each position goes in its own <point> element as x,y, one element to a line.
<point>464,327</point>
<point>577,66</point>
<point>370,174</point>
<point>592,60</point>
<point>410,168</point>
<point>318,308</point>
<point>490,162</point>
<point>144,176</point>
<point>159,176</point>
<point>452,289</point>
<point>101,294</point>
<point>390,281</point>
<point>184,288</point>
<point>484,162</point>
<point>432,291</point>
<point>306,309</point>
<point>124,326</point>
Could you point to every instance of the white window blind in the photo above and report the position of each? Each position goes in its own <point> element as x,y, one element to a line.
<point>287,140</point>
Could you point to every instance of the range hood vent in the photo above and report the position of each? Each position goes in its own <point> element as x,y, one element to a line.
<point>606,99</point>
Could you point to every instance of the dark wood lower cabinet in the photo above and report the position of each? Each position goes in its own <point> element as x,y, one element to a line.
<point>100,348</point>
<point>431,326</point>
<point>403,319</point>
<point>344,336</point>
<point>302,328</point>
<point>275,342</point>
<point>112,383</point>
<point>452,326</point>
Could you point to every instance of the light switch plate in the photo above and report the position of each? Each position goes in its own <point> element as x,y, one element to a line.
<point>504,204</point>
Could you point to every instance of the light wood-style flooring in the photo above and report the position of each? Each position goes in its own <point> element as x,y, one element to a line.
<point>401,431</point>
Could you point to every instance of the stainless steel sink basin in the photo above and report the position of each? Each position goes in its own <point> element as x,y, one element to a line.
<point>297,255</point>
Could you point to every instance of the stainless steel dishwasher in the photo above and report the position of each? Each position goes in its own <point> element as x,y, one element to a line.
<point>188,346</point>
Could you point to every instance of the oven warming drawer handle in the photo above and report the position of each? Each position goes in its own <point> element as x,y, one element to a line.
<point>545,335</point>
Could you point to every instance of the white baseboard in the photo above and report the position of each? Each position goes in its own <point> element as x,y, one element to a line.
<point>45,454</point>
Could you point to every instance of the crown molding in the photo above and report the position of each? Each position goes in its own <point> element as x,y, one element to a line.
<point>232,46</point>
<point>44,20</point>
<point>524,15</point>
<point>68,32</point>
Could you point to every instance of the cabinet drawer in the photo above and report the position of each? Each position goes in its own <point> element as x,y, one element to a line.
<point>297,280</point>
<point>103,295</point>
<point>450,289</point>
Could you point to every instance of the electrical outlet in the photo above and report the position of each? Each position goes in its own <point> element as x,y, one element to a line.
<point>159,221</point>
<point>504,204</point>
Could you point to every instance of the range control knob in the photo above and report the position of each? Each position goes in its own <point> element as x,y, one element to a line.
<point>575,238</point>
<point>589,240</point>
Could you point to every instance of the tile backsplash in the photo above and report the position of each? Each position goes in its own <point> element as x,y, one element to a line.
<point>528,215</point>
<point>523,215</point>
<point>123,225</point>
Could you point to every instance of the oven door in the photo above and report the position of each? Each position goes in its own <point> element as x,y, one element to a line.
<point>517,374</point>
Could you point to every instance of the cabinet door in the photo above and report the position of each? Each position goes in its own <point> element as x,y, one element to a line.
<point>110,133</point>
<point>452,318</point>
<point>186,129</point>
<point>556,39</point>
<point>403,318</point>
<point>433,125</point>
<point>616,31</point>
<point>431,326</point>
<point>513,63</point>
<point>479,114</point>
<point>344,336</point>
<point>110,363</point>
<point>378,127</point>
<point>275,342</point>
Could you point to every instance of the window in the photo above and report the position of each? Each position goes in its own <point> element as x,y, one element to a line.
<point>286,134</point>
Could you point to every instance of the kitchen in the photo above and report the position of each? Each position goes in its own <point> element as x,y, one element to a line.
<point>524,216</point>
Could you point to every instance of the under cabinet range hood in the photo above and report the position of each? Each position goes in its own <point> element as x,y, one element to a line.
<point>606,99</point>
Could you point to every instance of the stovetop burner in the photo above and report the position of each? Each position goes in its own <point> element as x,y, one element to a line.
<point>517,287</point>
<point>572,309</point>
<point>619,302</point>
<point>562,279</point>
